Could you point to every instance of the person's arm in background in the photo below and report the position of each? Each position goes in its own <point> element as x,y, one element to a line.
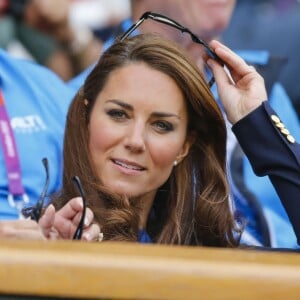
<point>270,149</point>
<point>51,16</point>
<point>53,225</point>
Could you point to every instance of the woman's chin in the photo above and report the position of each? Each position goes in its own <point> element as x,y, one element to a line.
<point>124,190</point>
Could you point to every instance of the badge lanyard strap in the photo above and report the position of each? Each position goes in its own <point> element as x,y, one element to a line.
<point>11,159</point>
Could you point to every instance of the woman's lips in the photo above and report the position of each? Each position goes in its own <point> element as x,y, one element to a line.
<point>129,165</point>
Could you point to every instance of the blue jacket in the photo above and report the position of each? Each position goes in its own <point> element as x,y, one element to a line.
<point>274,155</point>
<point>271,210</point>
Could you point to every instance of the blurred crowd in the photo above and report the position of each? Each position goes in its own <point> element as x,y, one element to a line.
<point>271,25</point>
<point>63,35</point>
<point>57,33</point>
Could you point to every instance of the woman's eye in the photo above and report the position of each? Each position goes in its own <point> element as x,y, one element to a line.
<point>117,114</point>
<point>163,126</point>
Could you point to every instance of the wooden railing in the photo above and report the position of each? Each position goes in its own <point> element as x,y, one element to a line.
<point>104,270</point>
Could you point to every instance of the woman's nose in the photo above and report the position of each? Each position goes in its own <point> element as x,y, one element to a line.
<point>135,139</point>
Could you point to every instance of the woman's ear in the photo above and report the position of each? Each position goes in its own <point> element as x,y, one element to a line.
<point>190,140</point>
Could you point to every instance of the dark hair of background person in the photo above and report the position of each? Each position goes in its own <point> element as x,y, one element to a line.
<point>192,207</point>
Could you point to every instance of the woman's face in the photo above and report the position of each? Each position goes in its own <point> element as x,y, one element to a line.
<point>137,130</point>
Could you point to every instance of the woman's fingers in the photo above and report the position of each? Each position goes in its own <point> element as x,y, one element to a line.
<point>71,208</point>
<point>68,218</point>
<point>236,65</point>
<point>92,233</point>
<point>46,222</point>
<point>240,88</point>
<point>21,229</point>
<point>53,225</point>
<point>89,217</point>
<point>223,78</point>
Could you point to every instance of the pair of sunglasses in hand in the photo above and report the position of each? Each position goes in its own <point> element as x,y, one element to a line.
<point>35,212</point>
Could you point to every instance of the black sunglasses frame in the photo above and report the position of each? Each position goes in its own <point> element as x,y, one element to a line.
<point>170,22</point>
<point>35,211</point>
<point>78,233</point>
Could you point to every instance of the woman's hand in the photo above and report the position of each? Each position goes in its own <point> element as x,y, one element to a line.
<point>63,223</point>
<point>21,230</point>
<point>242,91</point>
<point>53,225</point>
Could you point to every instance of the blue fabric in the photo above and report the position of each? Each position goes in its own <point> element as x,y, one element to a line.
<point>251,234</point>
<point>144,237</point>
<point>78,81</point>
<point>37,102</point>
<point>274,156</point>
<point>282,234</point>
<point>255,56</point>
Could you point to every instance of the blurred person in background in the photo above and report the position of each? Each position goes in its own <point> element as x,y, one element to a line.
<point>21,39</point>
<point>101,16</point>
<point>255,198</point>
<point>79,41</point>
<point>278,37</point>
<point>33,107</point>
<point>33,102</point>
<point>44,29</point>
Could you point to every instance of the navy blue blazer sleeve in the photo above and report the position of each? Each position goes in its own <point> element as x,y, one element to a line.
<point>272,151</point>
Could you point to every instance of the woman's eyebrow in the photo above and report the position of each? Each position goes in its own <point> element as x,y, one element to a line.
<point>165,115</point>
<point>156,114</point>
<point>120,103</point>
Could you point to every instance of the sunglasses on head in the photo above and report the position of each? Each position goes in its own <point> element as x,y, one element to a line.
<point>168,21</point>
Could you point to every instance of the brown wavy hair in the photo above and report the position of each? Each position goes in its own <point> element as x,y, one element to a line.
<point>192,207</point>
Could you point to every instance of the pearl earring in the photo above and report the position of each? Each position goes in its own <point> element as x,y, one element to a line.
<point>175,163</point>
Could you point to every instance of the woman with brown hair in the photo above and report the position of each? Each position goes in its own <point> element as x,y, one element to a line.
<point>148,141</point>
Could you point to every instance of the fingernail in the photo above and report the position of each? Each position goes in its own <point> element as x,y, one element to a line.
<point>51,206</point>
<point>86,221</point>
<point>100,237</point>
<point>87,236</point>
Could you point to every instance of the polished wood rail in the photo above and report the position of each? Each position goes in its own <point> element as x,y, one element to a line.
<point>110,270</point>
